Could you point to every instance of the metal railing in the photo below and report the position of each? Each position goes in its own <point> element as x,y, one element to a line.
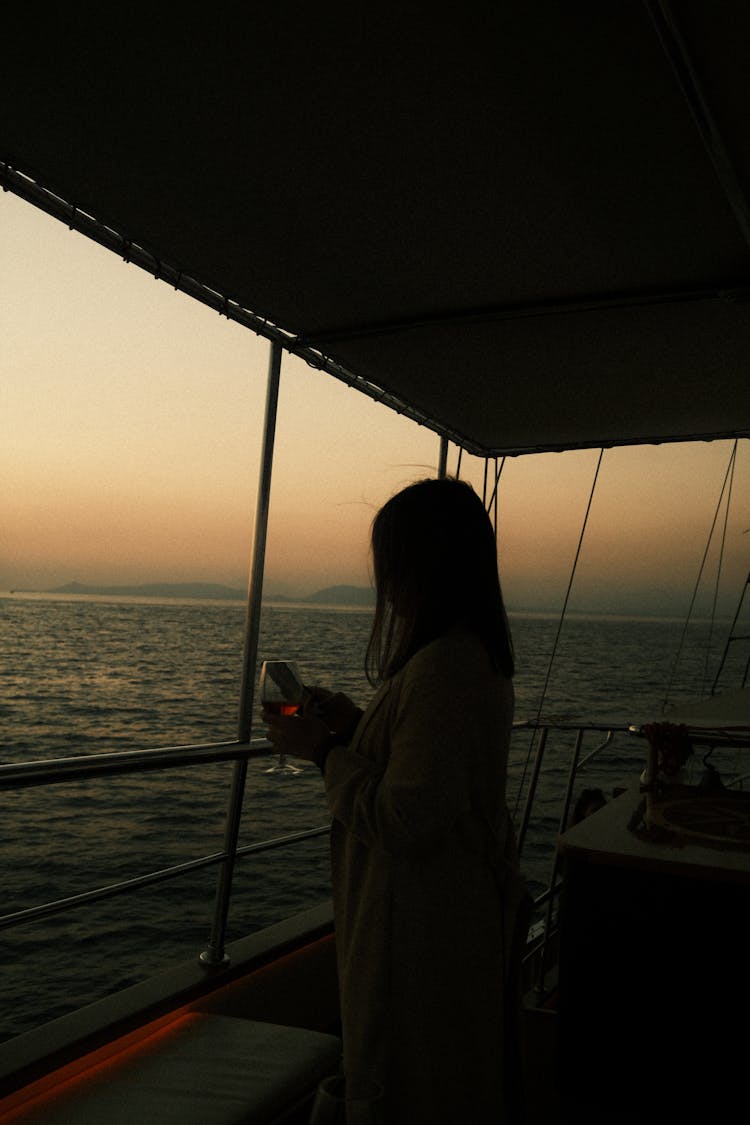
<point>57,771</point>
<point>542,937</point>
<point>86,767</point>
<point>39,774</point>
<point>577,763</point>
<point>577,754</point>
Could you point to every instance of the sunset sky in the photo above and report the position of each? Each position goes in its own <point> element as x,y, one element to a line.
<point>131,427</point>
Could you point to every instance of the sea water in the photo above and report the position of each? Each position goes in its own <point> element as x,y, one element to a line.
<point>82,675</point>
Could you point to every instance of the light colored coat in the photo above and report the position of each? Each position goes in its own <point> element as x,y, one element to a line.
<point>422,854</point>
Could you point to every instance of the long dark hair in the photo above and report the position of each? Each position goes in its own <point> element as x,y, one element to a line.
<point>435,560</point>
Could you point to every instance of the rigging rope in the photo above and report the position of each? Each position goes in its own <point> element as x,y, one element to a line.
<point>492,504</point>
<point>733,460</point>
<point>553,654</point>
<point>493,495</point>
<point>495,491</point>
<point>727,476</point>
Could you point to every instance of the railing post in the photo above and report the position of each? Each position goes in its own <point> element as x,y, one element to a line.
<point>532,788</point>
<point>563,823</point>
<point>214,954</point>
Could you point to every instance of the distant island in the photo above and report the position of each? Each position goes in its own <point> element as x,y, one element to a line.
<point>212,591</point>
<point>343,595</point>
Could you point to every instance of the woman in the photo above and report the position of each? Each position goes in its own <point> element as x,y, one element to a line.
<point>425,876</point>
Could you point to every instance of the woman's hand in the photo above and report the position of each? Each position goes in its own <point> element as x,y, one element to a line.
<point>326,717</point>
<point>299,736</point>
<point>337,711</point>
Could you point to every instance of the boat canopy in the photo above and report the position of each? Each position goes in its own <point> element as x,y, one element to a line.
<point>525,225</point>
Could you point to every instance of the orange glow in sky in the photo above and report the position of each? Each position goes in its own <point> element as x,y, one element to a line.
<point>132,420</point>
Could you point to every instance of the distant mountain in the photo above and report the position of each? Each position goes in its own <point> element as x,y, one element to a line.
<point>343,595</point>
<point>210,590</point>
<point>332,595</point>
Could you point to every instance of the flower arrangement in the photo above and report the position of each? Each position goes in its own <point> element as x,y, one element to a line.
<point>671,744</point>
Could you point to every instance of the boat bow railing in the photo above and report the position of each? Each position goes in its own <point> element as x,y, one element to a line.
<point>55,771</point>
<point>39,774</point>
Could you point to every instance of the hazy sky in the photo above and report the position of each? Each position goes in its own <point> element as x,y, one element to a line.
<point>131,427</point>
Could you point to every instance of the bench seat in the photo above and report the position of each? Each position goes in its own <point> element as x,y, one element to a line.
<point>201,1069</point>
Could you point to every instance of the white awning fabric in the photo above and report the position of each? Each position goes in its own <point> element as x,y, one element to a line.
<point>525,224</point>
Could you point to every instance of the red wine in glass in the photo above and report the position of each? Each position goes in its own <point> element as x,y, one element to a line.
<point>281,692</point>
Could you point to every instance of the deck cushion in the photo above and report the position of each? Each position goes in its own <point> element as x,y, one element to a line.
<point>212,1070</point>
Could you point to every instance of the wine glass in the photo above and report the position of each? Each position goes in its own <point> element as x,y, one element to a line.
<point>341,1101</point>
<point>282,692</point>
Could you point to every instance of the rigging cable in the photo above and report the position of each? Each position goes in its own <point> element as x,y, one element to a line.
<point>495,491</point>
<point>491,505</point>
<point>493,496</point>
<point>553,654</point>
<point>732,461</point>
<point>729,472</point>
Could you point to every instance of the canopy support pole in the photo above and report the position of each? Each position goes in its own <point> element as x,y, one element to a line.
<point>538,723</point>
<point>215,954</point>
<point>255,588</point>
<point>443,458</point>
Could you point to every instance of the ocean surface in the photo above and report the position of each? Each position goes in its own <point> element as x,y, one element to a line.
<point>83,675</point>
